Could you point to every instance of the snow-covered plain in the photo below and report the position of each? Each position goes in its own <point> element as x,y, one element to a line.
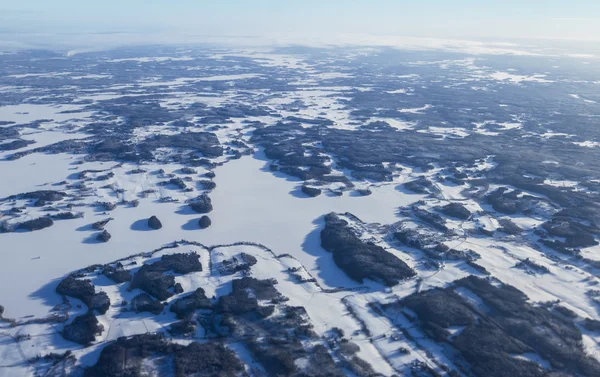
<point>267,209</point>
<point>249,206</point>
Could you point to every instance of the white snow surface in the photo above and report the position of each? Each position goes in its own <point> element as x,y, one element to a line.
<point>251,204</point>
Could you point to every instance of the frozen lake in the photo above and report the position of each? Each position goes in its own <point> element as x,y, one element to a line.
<point>250,204</point>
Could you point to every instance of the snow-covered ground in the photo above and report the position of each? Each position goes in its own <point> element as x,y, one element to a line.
<point>267,209</point>
<point>516,79</point>
<point>251,204</point>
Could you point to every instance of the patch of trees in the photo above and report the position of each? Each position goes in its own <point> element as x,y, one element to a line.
<point>360,260</point>
<point>576,234</point>
<point>509,202</point>
<point>151,278</point>
<point>414,238</point>
<point>154,223</point>
<point>245,295</point>
<point>277,356</point>
<point>15,144</point>
<point>66,215</point>
<point>125,357</point>
<point>508,325</point>
<point>83,329</point>
<point>292,147</point>
<point>439,310</point>
<point>186,327</point>
<point>311,191</point>
<point>153,281</point>
<point>84,290</point>
<point>207,185</point>
<point>43,195</point>
<point>104,236</point>
<point>530,265</point>
<point>509,227</point>
<point>204,222</point>
<point>188,170</point>
<point>202,204</point>
<point>204,142</point>
<point>432,219</point>
<point>456,210</point>
<point>591,325</point>
<point>184,307</point>
<point>207,359</point>
<point>108,147</point>
<point>559,246</point>
<point>180,263</point>
<point>118,274</point>
<point>145,303</point>
<point>35,224</point>
<point>177,182</point>
<point>422,185</point>
<point>243,262</point>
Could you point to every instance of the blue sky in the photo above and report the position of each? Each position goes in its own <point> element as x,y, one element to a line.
<point>575,19</point>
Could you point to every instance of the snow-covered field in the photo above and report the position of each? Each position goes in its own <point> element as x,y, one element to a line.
<point>251,204</point>
<point>119,116</point>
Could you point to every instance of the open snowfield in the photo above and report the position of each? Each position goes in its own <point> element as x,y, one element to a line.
<point>248,201</point>
<point>349,182</point>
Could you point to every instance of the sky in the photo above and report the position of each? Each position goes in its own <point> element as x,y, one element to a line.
<point>45,20</point>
